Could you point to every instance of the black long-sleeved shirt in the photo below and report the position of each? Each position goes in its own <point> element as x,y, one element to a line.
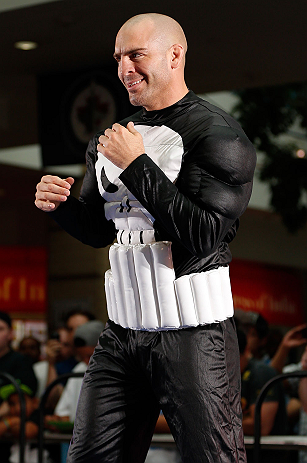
<point>191,186</point>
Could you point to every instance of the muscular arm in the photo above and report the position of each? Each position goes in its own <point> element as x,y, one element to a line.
<point>212,191</point>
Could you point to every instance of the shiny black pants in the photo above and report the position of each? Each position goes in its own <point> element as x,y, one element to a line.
<point>191,374</point>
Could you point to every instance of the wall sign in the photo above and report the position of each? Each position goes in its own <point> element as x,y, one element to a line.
<point>73,107</point>
<point>23,280</point>
<point>275,292</point>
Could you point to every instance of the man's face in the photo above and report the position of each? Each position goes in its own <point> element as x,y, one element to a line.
<point>30,348</point>
<point>143,65</point>
<point>66,344</point>
<point>254,343</point>
<point>73,322</point>
<point>5,335</point>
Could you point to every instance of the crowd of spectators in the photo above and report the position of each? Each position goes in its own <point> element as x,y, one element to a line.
<point>264,352</point>
<point>68,349</point>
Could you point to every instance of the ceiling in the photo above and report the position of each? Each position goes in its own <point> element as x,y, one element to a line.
<point>232,44</point>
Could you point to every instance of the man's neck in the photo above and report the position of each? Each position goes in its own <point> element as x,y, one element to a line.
<point>170,99</point>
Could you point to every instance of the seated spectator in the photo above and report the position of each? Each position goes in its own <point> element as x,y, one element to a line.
<point>274,338</point>
<point>30,347</point>
<point>60,359</point>
<point>76,318</point>
<point>61,349</point>
<point>14,363</point>
<point>255,375</point>
<point>19,367</point>
<point>292,339</point>
<point>10,423</point>
<point>85,341</point>
<point>256,329</point>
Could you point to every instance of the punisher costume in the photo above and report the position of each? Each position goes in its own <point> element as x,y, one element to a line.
<point>170,342</point>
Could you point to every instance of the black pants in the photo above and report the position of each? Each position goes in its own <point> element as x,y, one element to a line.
<point>191,374</point>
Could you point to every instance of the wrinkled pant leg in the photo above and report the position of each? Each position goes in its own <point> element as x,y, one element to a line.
<point>117,410</point>
<point>198,382</point>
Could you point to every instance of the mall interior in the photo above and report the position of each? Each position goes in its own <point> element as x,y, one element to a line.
<point>44,272</point>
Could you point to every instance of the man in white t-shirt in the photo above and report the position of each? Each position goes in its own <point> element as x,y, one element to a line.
<point>85,340</point>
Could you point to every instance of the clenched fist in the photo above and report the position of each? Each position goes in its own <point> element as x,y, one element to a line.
<point>51,191</point>
<point>121,145</point>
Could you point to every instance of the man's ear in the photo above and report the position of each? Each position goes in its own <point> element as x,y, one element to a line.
<point>177,55</point>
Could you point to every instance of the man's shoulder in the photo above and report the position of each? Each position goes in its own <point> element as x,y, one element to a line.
<point>215,114</point>
<point>13,357</point>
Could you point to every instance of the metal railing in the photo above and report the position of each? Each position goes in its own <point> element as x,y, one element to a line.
<point>42,409</point>
<point>259,401</point>
<point>22,431</point>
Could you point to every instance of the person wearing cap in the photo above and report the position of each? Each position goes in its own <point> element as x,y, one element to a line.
<point>256,329</point>
<point>10,423</point>
<point>85,340</point>
<point>60,353</point>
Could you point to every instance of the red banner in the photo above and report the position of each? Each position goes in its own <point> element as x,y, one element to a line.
<point>23,279</point>
<point>275,292</point>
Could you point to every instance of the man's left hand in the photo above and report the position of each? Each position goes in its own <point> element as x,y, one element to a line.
<point>121,145</point>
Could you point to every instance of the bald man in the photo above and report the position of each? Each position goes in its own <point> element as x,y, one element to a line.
<point>170,183</point>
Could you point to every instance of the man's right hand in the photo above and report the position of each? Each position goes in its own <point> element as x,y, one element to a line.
<point>51,191</point>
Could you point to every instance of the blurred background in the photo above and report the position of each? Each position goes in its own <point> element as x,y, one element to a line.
<point>59,85</point>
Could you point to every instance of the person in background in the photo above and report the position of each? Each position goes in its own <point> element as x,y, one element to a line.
<point>60,349</point>
<point>12,362</point>
<point>256,329</point>
<point>255,374</point>
<point>294,338</point>
<point>75,318</point>
<point>60,355</point>
<point>60,359</point>
<point>30,347</point>
<point>20,368</point>
<point>10,423</point>
<point>85,341</point>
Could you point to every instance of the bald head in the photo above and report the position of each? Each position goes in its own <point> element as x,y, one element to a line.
<point>150,50</point>
<point>164,28</point>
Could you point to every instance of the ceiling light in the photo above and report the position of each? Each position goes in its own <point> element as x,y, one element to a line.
<point>300,153</point>
<point>26,45</point>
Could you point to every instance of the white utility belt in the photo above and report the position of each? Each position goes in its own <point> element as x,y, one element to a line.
<point>143,293</point>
